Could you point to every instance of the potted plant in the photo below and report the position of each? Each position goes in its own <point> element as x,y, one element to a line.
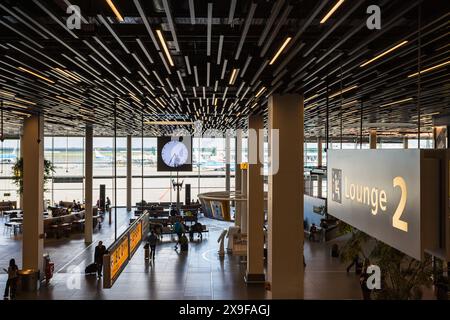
<point>49,169</point>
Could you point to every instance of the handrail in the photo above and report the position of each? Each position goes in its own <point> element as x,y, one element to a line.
<point>120,252</point>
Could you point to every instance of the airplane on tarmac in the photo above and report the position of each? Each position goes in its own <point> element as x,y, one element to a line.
<point>103,158</point>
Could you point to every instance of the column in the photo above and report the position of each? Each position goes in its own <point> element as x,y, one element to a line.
<point>227,162</point>
<point>285,206</point>
<point>373,138</point>
<point>255,201</point>
<point>319,164</point>
<point>88,182</point>
<point>238,175</point>
<point>243,204</point>
<point>405,142</point>
<point>129,173</point>
<point>22,147</point>
<point>33,193</point>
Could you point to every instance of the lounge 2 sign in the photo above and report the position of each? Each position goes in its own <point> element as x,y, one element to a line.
<point>379,192</point>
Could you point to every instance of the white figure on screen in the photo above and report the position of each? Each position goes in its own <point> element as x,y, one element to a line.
<point>221,240</point>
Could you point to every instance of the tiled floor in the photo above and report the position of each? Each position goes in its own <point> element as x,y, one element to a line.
<point>197,274</point>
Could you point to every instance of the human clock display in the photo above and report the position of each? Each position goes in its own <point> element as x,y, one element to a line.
<point>174,154</point>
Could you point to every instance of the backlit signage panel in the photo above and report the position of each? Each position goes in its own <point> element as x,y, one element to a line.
<point>379,193</point>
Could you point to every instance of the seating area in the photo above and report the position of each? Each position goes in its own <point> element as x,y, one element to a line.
<point>58,221</point>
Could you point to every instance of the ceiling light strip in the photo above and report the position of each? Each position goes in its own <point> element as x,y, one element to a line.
<point>330,13</point>
<point>430,69</point>
<point>285,43</point>
<point>115,10</point>
<point>384,53</point>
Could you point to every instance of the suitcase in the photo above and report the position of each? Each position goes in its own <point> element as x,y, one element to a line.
<point>92,268</point>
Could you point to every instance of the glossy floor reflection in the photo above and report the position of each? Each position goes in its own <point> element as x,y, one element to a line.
<point>197,274</point>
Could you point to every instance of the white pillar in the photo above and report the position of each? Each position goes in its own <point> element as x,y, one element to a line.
<point>88,193</point>
<point>33,193</point>
<point>373,138</point>
<point>255,201</point>
<point>129,173</point>
<point>285,205</point>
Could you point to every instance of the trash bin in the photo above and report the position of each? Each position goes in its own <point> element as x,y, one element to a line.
<point>28,280</point>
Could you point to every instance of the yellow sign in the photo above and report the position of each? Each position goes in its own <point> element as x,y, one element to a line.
<point>119,256</point>
<point>135,236</point>
<point>244,166</point>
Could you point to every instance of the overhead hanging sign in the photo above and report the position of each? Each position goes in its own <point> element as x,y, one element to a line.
<point>388,194</point>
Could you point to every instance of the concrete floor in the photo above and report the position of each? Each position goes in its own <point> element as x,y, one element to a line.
<point>198,274</point>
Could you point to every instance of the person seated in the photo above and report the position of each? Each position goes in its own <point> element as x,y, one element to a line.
<point>173,212</point>
<point>312,232</point>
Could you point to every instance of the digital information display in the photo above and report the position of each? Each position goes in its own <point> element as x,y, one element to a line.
<point>135,237</point>
<point>388,194</point>
<point>174,153</point>
<point>122,250</point>
<point>119,256</point>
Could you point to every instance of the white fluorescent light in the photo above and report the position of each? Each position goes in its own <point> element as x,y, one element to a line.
<point>384,53</point>
<point>166,51</point>
<point>285,43</point>
<point>335,7</point>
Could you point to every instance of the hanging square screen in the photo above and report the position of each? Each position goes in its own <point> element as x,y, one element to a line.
<point>174,153</point>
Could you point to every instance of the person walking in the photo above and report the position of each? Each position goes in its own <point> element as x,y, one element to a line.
<point>355,262</point>
<point>11,283</point>
<point>178,228</point>
<point>366,292</point>
<point>100,251</point>
<point>152,241</point>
